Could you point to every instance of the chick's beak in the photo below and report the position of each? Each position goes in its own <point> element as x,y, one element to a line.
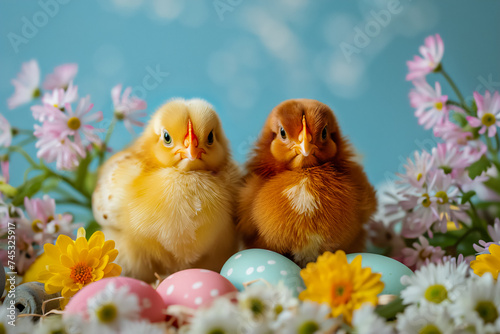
<point>305,146</point>
<point>191,152</point>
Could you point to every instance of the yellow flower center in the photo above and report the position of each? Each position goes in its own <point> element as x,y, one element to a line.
<point>438,105</point>
<point>443,197</point>
<point>216,331</point>
<point>36,93</point>
<point>419,176</point>
<point>56,105</point>
<point>429,329</point>
<point>488,119</point>
<point>56,228</point>
<point>107,313</point>
<point>81,273</point>
<point>308,327</point>
<point>341,292</point>
<point>427,200</point>
<point>35,227</point>
<point>74,123</point>
<point>436,293</point>
<point>278,309</point>
<point>256,305</point>
<point>119,115</point>
<point>487,311</point>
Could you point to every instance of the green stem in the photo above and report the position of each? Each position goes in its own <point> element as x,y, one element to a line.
<point>73,201</point>
<point>497,139</point>
<point>106,140</point>
<point>454,87</point>
<point>462,238</point>
<point>67,180</point>
<point>25,155</point>
<point>27,141</point>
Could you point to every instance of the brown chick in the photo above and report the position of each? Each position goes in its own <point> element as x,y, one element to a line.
<point>304,193</point>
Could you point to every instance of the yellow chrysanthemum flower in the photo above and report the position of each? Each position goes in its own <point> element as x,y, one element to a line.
<point>487,263</point>
<point>342,285</point>
<point>73,264</point>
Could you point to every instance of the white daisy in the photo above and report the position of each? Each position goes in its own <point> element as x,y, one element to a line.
<point>365,321</point>
<point>113,306</point>
<point>479,305</point>
<point>260,301</point>
<point>50,325</point>
<point>434,283</point>
<point>222,318</point>
<point>135,327</point>
<point>310,318</point>
<point>424,320</point>
<point>18,326</point>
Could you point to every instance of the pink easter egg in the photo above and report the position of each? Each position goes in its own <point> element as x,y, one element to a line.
<point>150,303</point>
<point>194,288</point>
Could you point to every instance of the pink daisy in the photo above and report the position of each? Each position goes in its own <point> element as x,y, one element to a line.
<point>27,85</point>
<point>62,76</point>
<point>417,170</point>
<point>4,168</point>
<point>59,97</point>
<point>450,158</point>
<point>494,232</point>
<point>5,132</point>
<point>445,198</point>
<point>127,108</point>
<point>422,254</point>
<point>430,104</point>
<point>46,224</point>
<point>75,123</point>
<point>432,53</point>
<point>54,147</point>
<point>488,112</point>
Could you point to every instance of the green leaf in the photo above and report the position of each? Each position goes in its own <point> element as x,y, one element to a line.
<point>90,182</point>
<point>51,184</point>
<point>493,184</point>
<point>92,227</point>
<point>478,167</point>
<point>460,118</point>
<point>82,170</point>
<point>29,189</point>
<point>467,196</point>
<point>390,310</point>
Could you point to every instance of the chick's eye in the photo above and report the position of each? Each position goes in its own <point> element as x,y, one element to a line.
<point>324,133</point>
<point>210,139</point>
<point>167,139</point>
<point>282,133</point>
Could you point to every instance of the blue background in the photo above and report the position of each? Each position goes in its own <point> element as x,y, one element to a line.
<point>256,54</point>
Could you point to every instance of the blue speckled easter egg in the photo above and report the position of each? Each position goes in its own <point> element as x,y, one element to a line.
<point>391,270</point>
<point>253,264</point>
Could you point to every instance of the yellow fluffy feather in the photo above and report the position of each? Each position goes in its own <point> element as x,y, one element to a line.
<point>168,200</point>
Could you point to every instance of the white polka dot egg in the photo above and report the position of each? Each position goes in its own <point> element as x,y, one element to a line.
<point>124,296</point>
<point>194,288</point>
<point>260,264</point>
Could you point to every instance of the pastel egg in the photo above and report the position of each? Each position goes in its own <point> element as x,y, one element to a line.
<point>194,288</point>
<point>150,303</point>
<point>260,264</point>
<point>391,270</point>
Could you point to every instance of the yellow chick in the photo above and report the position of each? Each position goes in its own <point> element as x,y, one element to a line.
<point>168,200</point>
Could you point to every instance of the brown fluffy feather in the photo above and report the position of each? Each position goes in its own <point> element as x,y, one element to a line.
<point>303,206</point>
